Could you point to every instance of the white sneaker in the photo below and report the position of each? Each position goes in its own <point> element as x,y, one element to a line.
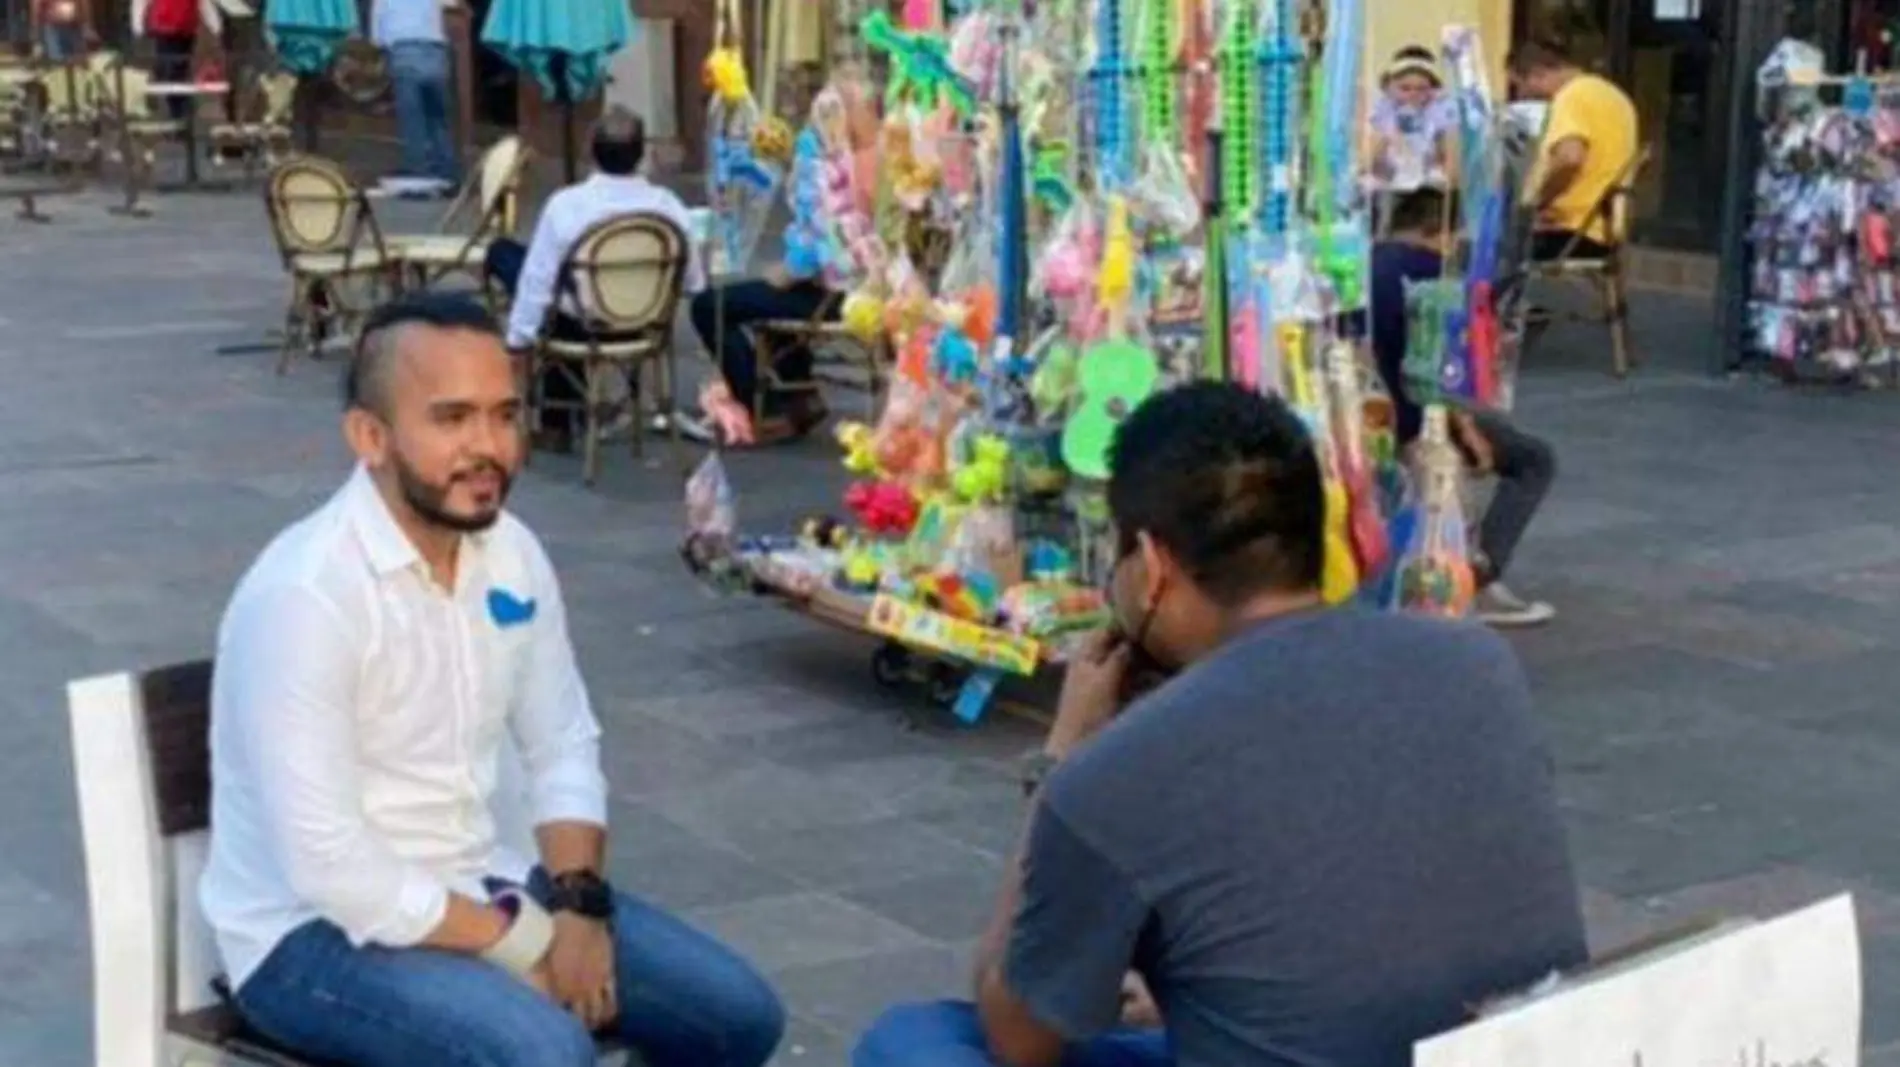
<point>693,428</point>
<point>1499,607</point>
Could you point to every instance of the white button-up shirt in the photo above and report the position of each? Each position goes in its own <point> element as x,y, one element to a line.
<point>568,215</point>
<point>359,765</point>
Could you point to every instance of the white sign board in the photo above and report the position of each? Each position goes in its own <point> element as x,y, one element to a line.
<point>1781,993</point>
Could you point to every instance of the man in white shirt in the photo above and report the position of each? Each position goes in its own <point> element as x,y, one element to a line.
<point>381,670</point>
<point>411,34</point>
<point>533,273</point>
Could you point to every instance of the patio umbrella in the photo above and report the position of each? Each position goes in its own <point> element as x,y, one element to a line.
<point>307,33</point>
<point>566,45</point>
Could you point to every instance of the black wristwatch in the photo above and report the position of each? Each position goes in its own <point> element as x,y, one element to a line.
<point>582,892</point>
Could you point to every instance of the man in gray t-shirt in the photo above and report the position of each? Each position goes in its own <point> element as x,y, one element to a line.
<point>1331,834</point>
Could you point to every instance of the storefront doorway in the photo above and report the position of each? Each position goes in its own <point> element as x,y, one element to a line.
<point>1672,57</point>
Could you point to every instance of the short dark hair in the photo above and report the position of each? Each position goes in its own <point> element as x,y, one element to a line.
<point>1414,53</point>
<point>1422,210</point>
<point>620,141</point>
<point>1229,482</point>
<point>366,379</point>
<point>1540,53</point>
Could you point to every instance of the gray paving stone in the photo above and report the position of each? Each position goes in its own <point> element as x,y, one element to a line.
<point>848,996</point>
<point>768,799</point>
<point>861,854</point>
<point>802,930</point>
<point>692,874</point>
<point>811,1044</point>
<point>950,907</point>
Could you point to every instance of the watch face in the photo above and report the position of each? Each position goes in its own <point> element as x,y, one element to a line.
<point>583,893</point>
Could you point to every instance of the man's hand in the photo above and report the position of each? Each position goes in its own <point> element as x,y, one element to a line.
<point>1091,691</point>
<point>1138,1005</point>
<point>580,969</point>
<point>1476,445</point>
<point>778,277</point>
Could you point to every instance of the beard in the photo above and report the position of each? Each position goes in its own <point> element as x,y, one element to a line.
<point>430,501</point>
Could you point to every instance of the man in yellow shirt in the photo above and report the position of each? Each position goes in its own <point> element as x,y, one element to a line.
<point>1588,145</point>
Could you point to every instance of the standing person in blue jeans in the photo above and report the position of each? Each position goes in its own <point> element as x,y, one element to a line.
<point>412,35</point>
<point>1325,838</point>
<point>396,705</point>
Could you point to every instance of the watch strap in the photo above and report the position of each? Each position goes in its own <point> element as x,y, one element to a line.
<point>526,942</point>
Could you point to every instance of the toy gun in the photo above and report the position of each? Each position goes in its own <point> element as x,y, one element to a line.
<point>1339,575</point>
<point>1277,58</point>
<point>1366,529</point>
<point>1048,177</point>
<point>1109,80</point>
<point>1160,127</point>
<point>1333,156</point>
<point>1473,336</point>
<point>1240,136</point>
<point>1197,47</point>
<point>920,66</point>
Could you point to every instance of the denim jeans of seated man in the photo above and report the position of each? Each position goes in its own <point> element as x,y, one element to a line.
<point>947,1033</point>
<point>419,81</point>
<point>685,1001</point>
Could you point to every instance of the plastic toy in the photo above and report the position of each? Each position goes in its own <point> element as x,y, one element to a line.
<point>884,509</point>
<point>860,446</point>
<point>985,475</point>
<point>920,66</point>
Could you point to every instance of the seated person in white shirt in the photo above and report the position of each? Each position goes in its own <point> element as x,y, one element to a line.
<point>378,670</point>
<point>533,274</point>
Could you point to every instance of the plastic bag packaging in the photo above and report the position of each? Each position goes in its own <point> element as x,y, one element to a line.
<point>711,522</point>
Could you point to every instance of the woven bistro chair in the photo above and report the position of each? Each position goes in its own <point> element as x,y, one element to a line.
<point>929,247</point>
<point>332,249</point>
<point>132,131</point>
<point>262,134</point>
<point>625,275</point>
<point>493,202</point>
<point>67,96</point>
<point>1606,276</point>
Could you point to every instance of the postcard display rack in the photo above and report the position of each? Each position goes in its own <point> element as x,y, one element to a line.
<point>1824,287</point>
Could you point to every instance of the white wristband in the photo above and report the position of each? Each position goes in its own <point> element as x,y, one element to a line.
<point>521,949</point>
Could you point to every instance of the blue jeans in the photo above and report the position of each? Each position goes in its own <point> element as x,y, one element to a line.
<point>685,1001</point>
<point>947,1034</point>
<point>419,80</point>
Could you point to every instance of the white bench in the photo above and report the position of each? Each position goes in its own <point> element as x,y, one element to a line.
<point>141,755</point>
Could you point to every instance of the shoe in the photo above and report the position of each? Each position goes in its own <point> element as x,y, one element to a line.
<point>695,428</point>
<point>1498,607</point>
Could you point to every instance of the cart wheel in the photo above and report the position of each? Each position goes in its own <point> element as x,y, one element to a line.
<point>946,684</point>
<point>890,666</point>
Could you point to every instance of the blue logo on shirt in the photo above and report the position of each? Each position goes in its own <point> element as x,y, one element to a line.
<point>507,610</point>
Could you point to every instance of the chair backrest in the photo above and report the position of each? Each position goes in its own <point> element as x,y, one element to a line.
<point>279,93</point>
<point>501,185</point>
<point>628,271</point>
<point>124,89</point>
<point>71,92</point>
<point>313,207</point>
<point>142,764</point>
<point>1614,209</point>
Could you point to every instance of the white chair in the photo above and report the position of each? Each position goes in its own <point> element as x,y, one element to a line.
<point>142,761</point>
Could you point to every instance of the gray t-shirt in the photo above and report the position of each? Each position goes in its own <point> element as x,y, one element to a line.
<point>1332,838</point>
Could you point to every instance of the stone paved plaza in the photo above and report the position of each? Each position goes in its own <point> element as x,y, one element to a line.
<point>1719,690</point>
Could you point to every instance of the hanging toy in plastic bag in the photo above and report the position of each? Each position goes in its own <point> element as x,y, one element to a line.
<point>1434,575</point>
<point>740,184</point>
<point>711,524</point>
